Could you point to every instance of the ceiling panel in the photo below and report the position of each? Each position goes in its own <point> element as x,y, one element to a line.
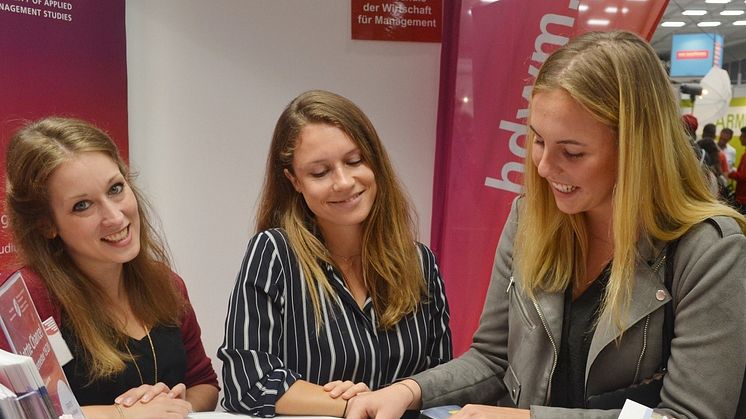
<point>733,36</point>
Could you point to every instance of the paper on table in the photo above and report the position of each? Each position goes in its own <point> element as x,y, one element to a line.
<point>634,410</point>
<point>226,415</point>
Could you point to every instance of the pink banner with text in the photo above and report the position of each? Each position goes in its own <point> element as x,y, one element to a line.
<point>65,58</point>
<point>490,56</point>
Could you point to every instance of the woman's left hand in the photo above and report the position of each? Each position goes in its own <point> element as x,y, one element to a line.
<point>482,411</point>
<point>147,392</point>
<point>345,389</point>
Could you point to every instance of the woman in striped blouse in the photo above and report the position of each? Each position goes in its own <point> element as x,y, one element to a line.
<point>334,296</point>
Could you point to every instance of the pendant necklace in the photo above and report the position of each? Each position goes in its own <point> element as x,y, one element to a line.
<point>155,358</point>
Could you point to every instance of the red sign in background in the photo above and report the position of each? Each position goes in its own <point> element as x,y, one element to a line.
<point>392,20</point>
<point>490,57</point>
<point>65,58</point>
<point>693,55</point>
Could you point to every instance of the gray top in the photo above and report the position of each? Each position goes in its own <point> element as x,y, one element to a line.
<point>513,355</point>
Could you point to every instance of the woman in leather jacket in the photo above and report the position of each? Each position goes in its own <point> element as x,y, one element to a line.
<point>618,274</point>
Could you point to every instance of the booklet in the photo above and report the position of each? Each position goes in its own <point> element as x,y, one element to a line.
<point>25,386</point>
<point>27,336</point>
<point>440,412</point>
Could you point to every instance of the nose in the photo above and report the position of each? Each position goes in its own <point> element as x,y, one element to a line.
<point>111,214</point>
<point>545,162</point>
<point>343,179</point>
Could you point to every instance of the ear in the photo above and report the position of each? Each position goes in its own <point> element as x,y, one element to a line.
<point>293,180</point>
<point>49,231</point>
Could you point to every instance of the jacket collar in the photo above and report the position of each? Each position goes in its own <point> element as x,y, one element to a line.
<point>648,295</point>
<point>646,291</point>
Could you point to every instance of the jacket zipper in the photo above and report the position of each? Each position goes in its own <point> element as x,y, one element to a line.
<point>518,302</point>
<point>644,347</point>
<point>554,352</point>
<point>656,266</point>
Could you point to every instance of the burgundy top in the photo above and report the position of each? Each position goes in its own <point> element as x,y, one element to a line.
<point>188,346</point>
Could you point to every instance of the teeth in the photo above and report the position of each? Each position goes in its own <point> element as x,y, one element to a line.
<point>121,235</point>
<point>350,198</point>
<point>562,187</point>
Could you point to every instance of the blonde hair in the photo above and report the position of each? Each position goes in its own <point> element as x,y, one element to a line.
<point>391,268</point>
<point>660,190</point>
<point>34,153</point>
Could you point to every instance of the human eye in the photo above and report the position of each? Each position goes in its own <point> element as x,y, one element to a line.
<point>116,188</point>
<point>319,173</point>
<point>539,141</point>
<point>81,206</point>
<point>570,155</point>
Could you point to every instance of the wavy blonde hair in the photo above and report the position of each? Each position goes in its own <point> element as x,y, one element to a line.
<point>660,189</point>
<point>391,265</point>
<point>34,153</point>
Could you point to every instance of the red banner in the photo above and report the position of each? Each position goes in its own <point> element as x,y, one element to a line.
<point>396,20</point>
<point>499,47</point>
<point>65,58</point>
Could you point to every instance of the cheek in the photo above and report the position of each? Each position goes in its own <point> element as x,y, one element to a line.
<point>312,193</point>
<point>130,204</point>
<point>536,152</point>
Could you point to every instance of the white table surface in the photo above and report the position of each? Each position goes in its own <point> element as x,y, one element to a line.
<point>226,415</point>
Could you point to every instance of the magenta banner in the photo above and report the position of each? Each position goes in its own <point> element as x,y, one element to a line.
<point>490,60</point>
<point>65,58</point>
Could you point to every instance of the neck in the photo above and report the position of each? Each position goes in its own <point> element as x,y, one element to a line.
<point>344,243</point>
<point>600,238</point>
<point>110,279</point>
<point>599,225</point>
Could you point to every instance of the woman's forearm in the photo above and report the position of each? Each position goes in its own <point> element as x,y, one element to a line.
<point>304,398</point>
<point>203,397</point>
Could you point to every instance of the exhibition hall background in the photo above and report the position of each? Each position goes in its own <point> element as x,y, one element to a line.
<point>206,81</point>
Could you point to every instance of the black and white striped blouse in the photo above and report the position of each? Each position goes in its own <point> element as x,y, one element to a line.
<point>271,339</point>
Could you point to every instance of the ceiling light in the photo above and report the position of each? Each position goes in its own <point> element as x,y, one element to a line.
<point>739,23</point>
<point>598,22</point>
<point>671,24</point>
<point>731,13</point>
<point>582,7</point>
<point>694,12</point>
<point>611,9</point>
<point>708,24</point>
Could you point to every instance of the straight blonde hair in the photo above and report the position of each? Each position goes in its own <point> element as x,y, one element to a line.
<point>660,190</point>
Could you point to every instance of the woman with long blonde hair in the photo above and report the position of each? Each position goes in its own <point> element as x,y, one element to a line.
<point>618,274</point>
<point>93,261</point>
<point>334,296</point>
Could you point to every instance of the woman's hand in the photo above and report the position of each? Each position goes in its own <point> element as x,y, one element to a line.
<point>345,389</point>
<point>160,406</point>
<point>474,411</point>
<point>146,392</point>
<point>387,403</point>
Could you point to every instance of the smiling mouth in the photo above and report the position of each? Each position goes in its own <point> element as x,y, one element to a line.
<point>118,236</point>
<point>562,187</point>
<point>348,200</point>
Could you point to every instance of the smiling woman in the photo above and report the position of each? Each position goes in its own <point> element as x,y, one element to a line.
<point>334,297</point>
<point>94,263</point>
<point>94,213</point>
<point>612,268</point>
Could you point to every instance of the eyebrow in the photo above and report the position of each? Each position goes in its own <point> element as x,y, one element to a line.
<point>567,141</point>
<point>109,182</point>
<point>347,154</point>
